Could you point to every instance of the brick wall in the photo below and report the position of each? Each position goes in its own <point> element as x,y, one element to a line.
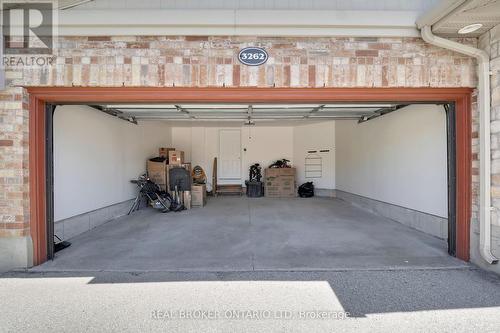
<point>491,43</point>
<point>14,191</point>
<point>210,61</point>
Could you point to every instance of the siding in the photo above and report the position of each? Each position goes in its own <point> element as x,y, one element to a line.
<point>420,6</point>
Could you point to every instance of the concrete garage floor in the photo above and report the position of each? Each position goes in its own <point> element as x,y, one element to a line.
<point>253,265</point>
<point>244,234</point>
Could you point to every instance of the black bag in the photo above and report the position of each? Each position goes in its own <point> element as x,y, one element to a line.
<point>306,190</point>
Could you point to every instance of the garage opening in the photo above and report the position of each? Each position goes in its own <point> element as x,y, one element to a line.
<point>383,175</point>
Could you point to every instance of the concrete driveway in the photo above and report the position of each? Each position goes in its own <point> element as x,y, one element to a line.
<point>243,234</point>
<point>405,300</point>
<point>241,265</point>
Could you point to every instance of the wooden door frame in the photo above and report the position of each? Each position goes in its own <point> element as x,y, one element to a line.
<point>39,96</point>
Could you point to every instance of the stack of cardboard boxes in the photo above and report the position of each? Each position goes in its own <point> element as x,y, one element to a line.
<point>158,172</point>
<point>175,157</point>
<point>280,182</point>
<point>163,152</point>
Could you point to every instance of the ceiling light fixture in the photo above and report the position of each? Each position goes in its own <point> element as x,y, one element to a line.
<point>470,28</point>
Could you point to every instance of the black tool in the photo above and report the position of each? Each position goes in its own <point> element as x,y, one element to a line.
<point>179,181</point>
<point>255,173</point>
<point>151,192</point>
<point>283,163</point>
<point>60,244</point>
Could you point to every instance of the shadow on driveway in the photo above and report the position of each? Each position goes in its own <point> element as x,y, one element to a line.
<point>359,292</point>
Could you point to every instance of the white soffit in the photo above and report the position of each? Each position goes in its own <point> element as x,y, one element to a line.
<point>420,5</point>
<point>127,22</point>
<point>68,4</point>
<point>485,12</point>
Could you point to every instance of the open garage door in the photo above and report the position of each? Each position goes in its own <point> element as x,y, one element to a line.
<point>381,173</point>
<point>315,137</point>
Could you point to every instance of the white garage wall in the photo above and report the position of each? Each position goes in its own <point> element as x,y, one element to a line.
<point>263,145</point>
<point>310,137</point>
<point>400,158</point>
<point>95,157</point>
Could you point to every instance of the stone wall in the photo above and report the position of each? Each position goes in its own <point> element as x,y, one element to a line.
<point>208,61</point>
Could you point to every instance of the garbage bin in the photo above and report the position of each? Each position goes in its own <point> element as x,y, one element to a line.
<point>254,189</point>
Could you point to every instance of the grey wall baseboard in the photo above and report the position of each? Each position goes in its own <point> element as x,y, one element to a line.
<point>78,224</point>
<point>430,224</point>
<point>324,192</point>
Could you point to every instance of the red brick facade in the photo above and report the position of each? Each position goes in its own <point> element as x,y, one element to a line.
<point>211,61</point>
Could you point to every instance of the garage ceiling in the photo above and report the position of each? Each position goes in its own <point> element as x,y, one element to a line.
<point>246,112</point>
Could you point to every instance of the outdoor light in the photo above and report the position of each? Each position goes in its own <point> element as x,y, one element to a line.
<point>470,28</point>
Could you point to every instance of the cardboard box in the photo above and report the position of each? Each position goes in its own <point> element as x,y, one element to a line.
<point>288,191</point>
<point>198,195</point>
<point>157,172</point>
<point>272,191</point>
<point>176,157</point>
<point>163,152</point>
<point>280,183</point>
<point>286,181</point>
<point>273,172</point>
<point>287,187</point>
<point>271,181</point>
<point>287,171</point>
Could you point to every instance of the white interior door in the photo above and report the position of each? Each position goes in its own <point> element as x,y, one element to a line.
<point>229,164</point>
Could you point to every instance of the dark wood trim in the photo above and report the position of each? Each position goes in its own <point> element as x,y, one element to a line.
<point>243,95</point>
<point>73,95</point>
<point>37,179</point>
